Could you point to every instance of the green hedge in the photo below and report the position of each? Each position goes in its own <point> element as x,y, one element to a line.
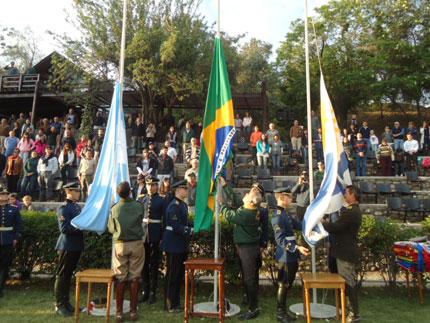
<point>35,252</point>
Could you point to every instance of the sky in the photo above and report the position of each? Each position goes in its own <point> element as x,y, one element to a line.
<point>267,20</point>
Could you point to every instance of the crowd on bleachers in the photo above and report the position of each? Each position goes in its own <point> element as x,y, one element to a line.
<point>38,159</point>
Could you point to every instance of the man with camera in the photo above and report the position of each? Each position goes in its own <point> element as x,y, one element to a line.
<point>301,193</point>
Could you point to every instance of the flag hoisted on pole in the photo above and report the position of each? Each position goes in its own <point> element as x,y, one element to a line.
<point>336,175</point>
<point>217,135</point>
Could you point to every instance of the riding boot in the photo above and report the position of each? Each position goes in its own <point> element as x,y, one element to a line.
<point>352,293</point>
<point>134,295</point>
<point>119,290</point>
<point>60,306</point>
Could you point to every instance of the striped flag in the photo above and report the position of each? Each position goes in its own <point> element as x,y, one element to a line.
<point>217,135</point>
<point>336,175</point>
<point>112,169</point>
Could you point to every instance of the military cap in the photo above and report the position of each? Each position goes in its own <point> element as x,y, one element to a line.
<point>283,191</point>
<point>152,180</point>
<point>72,186</point>
<point>179,184</point>
<point>3,189</point>
<point>259,187</point>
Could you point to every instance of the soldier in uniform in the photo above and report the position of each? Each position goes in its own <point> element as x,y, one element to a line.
<point>69,247</point>
<point>345,247</point>
<point>152,234</point>
<point>287,251</point>
<point>10,232</point>
<point>175,244</point>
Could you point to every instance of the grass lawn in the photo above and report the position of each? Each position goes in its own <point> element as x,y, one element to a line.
<point>33,302</point>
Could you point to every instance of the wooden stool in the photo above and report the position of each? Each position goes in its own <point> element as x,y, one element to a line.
<point>90,276</point>
<point>420,285</point>
<point>203,264</point>
<point>326,281</point>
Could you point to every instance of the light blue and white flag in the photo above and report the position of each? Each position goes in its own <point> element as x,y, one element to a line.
<point>112,169</point>
<point>336,175</point>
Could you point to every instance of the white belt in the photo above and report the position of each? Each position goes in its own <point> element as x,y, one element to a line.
<point>6,228</point>
<point>146,220</point>
<point>290,238</point>
<point>169,228</point>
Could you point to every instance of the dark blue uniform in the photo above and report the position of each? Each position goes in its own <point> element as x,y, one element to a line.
<point>69,246</point>
<point>175,244</point>
<point>153,233</point>
<point>10,230</point>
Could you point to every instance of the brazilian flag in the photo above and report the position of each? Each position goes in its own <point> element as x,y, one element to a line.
<point>217,138</point>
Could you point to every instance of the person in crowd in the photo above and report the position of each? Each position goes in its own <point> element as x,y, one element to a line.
<point>365,133</point>
<point>398,135</point>
<point>10,144</point>
<point>319,144</point>
<point>384,157</point>
<point>348,151</point>
<point>254,138</point>
<point>14,201</point>
<point>21,119</point>
<point>301,192</point>
<point>66,159</point>
<point>192,192</point>
<point>70,245</point>
<point>345,247</point>
<point>4,131</point>
<point>319,173</point>
<point>425,137</point>
<point>29,180</point>
<point>10,219</point>
<point>296,132</point>
<point>47,167</point>
<point>12,70</point>
<point>99,121</point>
<point>186,136</point>
<point>238,124</point>
<point>343,134</point>
<point>360,149</point>
<point>276,151</point>
<point>399,162</point>
<point>139,187</point>
<point>172,137</point>
<point>165,191</point>
<point>151,131</point>
<point>354,120</point>
<point>13,171</point>
<point>271,133</point>
<point>40,146</point>
<point>148,162</point>
<point>86,172</point>
<point>137,134</point>
<point>193,150</point>
<point>153,205</point>
<point>198,129</point>
<point>152,150</point>
<point>27,127</point>
<point>80,148</point>
<point>72,119</point>
<point>263,151</point>
<point>125,224</point>
<point>27,203</point>
<point>388,135</point>
<point>352,134</point>
<point>25,146</point>
<point>374,141</point>
<point>247,124</point>
<point>287,253</point>
<point>304,148</point>
<point>69,139</point>
<point>53,138</point>
<point>412,129</point>
<point>98,142</point>
<point>171,152</point>
<point>3,161</point>
<point>17,129</point>
<point>246,236</point>
<point>194,169</point>
<point>165,165</point>
<point>57,124</point>
<point>40,134</point>
<point>175,244</point>
<point>411,146</point>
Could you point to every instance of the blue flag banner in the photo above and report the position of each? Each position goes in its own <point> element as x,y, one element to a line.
<point>336,175</point>
<point>112,169</point>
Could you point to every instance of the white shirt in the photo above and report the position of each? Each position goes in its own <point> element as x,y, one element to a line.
<point>70,158</point>
<point>247,121</point>
<point>410,146</point>
<point>171,152</point>
<point>374,140</point>
<point>51,167</point>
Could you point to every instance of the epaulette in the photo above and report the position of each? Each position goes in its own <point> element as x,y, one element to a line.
<point>177,202</point>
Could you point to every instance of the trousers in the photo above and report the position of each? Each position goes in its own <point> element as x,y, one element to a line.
<point>67,262</point>
<point>150,268</point>
<point>249,256</point>
<point>6,256</point>
<point>174,278</point>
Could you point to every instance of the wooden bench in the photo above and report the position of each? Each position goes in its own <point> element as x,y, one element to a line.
<point>94,276</point>
<point>325,281</point>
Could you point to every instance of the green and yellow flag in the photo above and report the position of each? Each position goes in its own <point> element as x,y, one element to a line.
<point>217,135</point>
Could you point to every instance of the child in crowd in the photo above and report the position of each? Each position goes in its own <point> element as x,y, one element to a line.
<point>399,162</point>
<point>27,203</point>
<point>14,201</point>
<point>374,141</point>
<point>87,170</point>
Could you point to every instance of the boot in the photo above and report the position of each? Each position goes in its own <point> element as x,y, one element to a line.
<point>60,296</point>
<point>119,291</point>
<point>352,293</point>
<point>134,294</point>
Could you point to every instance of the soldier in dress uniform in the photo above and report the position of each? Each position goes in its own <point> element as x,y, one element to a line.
<point>10,233</point>
<point>152,234</point>
<point>287,251</point>
<point>69,247</point>
<point>175,244</point>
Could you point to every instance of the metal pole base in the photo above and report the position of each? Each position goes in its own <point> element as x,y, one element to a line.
<point>209,307</point>
<point>318,311</point>
<point>101,311</point>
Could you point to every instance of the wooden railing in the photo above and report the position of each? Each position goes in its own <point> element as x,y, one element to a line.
<point>18,83</point>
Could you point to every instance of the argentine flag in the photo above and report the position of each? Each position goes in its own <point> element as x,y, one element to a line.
<point>112,169</point>
<point>336,175</point>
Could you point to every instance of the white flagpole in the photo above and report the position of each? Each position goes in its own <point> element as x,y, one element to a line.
<point>217,206</point>
<point>122,55</point>
<point>309,126</point>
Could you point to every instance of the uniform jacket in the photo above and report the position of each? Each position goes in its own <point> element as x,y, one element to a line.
<point>70,239</point>
<point>345,234</point>
<point>10,224</point>
<point>283,226</point>
<point>153,207</point>
<point>246,224</point>
<point>125,220</point>
<point>178,229</point>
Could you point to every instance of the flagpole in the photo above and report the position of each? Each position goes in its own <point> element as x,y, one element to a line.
<point>309,126</point>
<point>122,54</point>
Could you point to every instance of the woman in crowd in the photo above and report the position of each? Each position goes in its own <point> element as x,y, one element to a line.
<point>40,146</point>
<point>10,143</point>
<point>66,159</point>
<point>276,151</point>
<point>425,137</point>
<point>247,124</point>
<point>263,150</point>
<point>13,171</point>
<point>25,146</point>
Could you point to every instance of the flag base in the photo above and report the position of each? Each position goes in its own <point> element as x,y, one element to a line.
<point>318,311</point>
<point>208,307</point>
<point>101,311</point>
